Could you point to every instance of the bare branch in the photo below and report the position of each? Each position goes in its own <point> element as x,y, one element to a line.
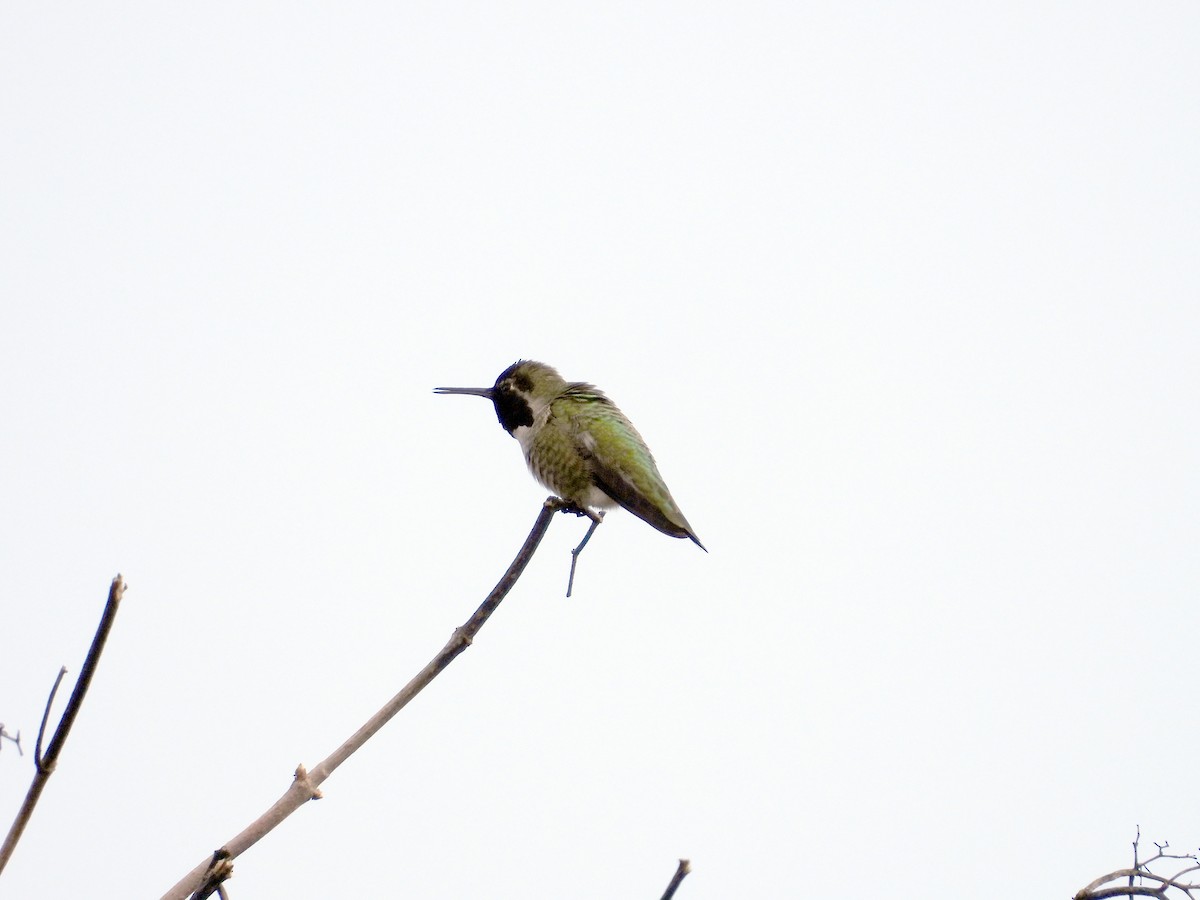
<point>1126,891</point>
<point>306,783</point>
<point>46,765</point>
<point>1141,872</point>
<point>681,872</point>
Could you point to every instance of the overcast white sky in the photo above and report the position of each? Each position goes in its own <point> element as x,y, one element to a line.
<point>905,298</point>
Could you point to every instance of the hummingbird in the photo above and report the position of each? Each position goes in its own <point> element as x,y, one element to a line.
<point>580,445</point>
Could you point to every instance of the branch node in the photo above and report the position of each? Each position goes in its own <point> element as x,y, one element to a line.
<point>220,868</point>
<point>314,793</point>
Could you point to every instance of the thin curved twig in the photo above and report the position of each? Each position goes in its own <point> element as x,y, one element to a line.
<point>46,764</point>
<point>38,759</point>
<point>199,883</point>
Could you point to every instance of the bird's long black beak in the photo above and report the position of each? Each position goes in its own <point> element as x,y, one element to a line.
<point>475,392</point>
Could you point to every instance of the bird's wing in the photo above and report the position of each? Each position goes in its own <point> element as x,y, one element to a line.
<point>623,468</point>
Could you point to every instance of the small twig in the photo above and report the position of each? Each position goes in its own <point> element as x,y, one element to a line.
<point>37,749</point>
<point>5,736</point>
<point>681,872</point>
<point>305,785</point>
<point>596,518</point>
<point>46,764</point>
<point>1137,839</point>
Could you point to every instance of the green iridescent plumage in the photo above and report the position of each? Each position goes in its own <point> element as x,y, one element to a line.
<point>580,445</point>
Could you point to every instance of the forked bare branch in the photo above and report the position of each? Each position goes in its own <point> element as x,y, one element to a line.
<point>1136,878</point>
<point>47,763</point>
